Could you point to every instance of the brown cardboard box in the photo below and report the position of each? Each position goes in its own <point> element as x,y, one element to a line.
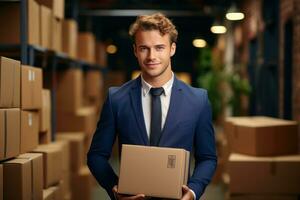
<point>10,125</point>
<point>93,84</point>
<point>101,54</point>
<point>45,113</point>
<point>45,26</point>
<point>29,131</point>
<point>70,37</point>
<point>9,83</point>
<point>56,36</point>
<point>84,120</point>
<point>82,184</point>
<point>153,171</point>
<point>1,182</point>
<point>57,7</point>
<point>36,160</point>
<point>69,82</point>
<point>263,136</point>
<point>17,179</point>
<point>31,87</point>
<point>264,175</point>
<point>77,154</point>
<point>11,34</point>
<point>264,197</point>
<point>52,162</point>
<point>86,47</point>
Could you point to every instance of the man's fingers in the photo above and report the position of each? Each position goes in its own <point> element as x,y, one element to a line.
<point>185,189</point>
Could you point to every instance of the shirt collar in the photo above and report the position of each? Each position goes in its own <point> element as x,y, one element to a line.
<point>167,86</point>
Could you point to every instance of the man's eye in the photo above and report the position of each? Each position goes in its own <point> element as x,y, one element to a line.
<point>160,48</point>
<point>143,49</point>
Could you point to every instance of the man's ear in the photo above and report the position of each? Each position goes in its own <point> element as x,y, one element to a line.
<point>134,49</point>
<point>173,48</point>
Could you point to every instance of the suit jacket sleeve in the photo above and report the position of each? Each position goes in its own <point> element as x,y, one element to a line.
<point>205,152</point>
<point>101,148</point>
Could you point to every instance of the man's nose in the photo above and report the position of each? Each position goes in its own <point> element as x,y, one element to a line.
<point>151,54</point>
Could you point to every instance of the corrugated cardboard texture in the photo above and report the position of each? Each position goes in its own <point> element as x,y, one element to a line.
<point>45,114</point>
<point>9,83</point>
<point>11,33</point>
<point>153,171</point>
<point>262,136</point>
<point>57,7</point>
<point>56,36</point>
<point>45,26</point>
<point>52,162</point>
<point>77,154</point>
<point>69,82</point>
<point>29,131</point>
<point>36,160</point>
<point>84,120</point>
<point>17,179</point>
<point>86,47</point>
<point>9,133</point>
<point>82,184</point>
<point>264,175</point>
<point>70,37</point>
<point>31,87</point>
<point>1,182</point>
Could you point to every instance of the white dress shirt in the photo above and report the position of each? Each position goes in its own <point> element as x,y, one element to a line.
<point>164,99</point>
<point>165,102</point>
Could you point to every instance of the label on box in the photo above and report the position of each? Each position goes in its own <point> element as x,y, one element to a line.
<point>29,119</point>
<point>29,75</point>
<point>171,161</point>
<point>33,75</point>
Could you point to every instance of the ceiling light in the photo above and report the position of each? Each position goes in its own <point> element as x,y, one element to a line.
<point>234,14</point>
<point>218,29</point>
<point>199,43</point>
<point>111,49</point>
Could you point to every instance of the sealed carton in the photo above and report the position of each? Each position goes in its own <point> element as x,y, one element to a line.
<point>262,136</point>
<point>29,131</point>
<point>9,83</point>
<point>264,175</point>
<point>10,125</point>
<point>153,171</point>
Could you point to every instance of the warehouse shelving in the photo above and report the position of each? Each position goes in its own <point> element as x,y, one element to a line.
<point>50,61</point>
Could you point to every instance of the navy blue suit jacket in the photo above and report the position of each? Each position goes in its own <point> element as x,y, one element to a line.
<point>188,125</point>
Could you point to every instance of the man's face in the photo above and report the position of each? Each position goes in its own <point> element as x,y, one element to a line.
<point>154,53</point>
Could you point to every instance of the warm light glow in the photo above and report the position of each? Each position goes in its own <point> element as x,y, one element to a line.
<point>111,49</point>
<point>234,16</point>
<point>218,29</point>
<point>135,74</point>
<point>199,43</point>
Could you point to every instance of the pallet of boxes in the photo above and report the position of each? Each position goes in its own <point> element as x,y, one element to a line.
<point>264,162</point>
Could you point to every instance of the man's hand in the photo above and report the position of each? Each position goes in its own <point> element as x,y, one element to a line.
<point>127,197</point>
<point>187,194</point>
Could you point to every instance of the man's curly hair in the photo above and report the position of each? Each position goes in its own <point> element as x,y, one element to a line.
<point>156,21</point>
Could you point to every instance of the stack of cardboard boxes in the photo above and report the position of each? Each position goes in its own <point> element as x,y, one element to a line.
<point>25,169</point>
<point>264,163</point>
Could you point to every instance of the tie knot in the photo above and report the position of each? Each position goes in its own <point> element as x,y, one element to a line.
<point>156,91</point>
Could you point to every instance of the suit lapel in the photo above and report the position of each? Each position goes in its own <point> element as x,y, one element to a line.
<point>136,101</point>
<point>173,114</point>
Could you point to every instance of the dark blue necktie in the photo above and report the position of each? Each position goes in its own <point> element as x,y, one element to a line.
<point>155,128</point>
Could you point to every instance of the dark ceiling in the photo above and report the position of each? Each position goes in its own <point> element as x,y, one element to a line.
<point>110,20</point>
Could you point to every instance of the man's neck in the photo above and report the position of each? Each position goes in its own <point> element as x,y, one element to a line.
<point>158,81</point>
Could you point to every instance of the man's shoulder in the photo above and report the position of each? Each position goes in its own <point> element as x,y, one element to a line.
<point>123,89</point>
<point>192,90</point>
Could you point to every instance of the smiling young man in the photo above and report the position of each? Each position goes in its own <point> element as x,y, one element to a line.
<point>155,109</point>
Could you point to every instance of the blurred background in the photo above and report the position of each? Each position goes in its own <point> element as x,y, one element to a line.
<point>59,57</point>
